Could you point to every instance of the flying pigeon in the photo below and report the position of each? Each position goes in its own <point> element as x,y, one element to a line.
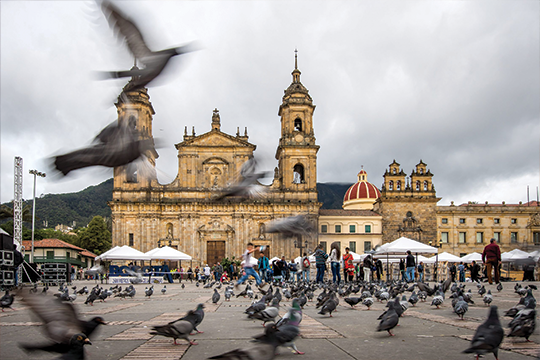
<point>291,226</point>
<point>154,61</point>
<point>116,145</point>
<point>249,186</point>
<point>488,336</point>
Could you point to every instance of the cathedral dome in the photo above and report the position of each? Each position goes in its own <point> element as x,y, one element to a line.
<point>361,195</point>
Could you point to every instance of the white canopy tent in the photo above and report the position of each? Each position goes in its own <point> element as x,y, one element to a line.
<point>535,255</point>
<point>167,253</point>
<point>311,258</point>
<point>401,245</point>
<point>514,255</point>
<point>107,252</point>
<point>469,258</point>
<point>426,260</point>
<point>446,257</point>
<point>252,261</point>
<point>123,253</point>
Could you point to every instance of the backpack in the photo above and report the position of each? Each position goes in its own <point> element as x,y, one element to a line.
<point>306,262</point>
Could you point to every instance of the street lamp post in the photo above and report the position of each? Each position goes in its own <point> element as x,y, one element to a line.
<point>299,244</point>
<point>35,173</point>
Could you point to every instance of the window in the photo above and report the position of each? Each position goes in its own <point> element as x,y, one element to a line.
<point>352,229</point>
<point>391,185</point>
<point>479,221</point>
<point>337,228</point>
<point>298,174</point>
<point>513,237</point>
<point>444,237</point>
<point>398,185</point>
<point>425,185</point>
<point>444,220</point>
<point>297,124</point>
<point>462,237</point>
<point>367,229</point>
<point>130,239</point>
<point>50,254</point>
<point>496,221</point>
<point>462,220</point>
<point>418,185</point>
<point>497,236</point>
<point>68,255</point>
<point>367,246</point>
<point>324,228</point>
<point>323,243</point>
<point>479,237</point>
<point>536,238</point>
<point>352,246</point>
<point>513,221</point>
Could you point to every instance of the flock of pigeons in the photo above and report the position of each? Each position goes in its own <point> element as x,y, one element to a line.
<point>68,333</point>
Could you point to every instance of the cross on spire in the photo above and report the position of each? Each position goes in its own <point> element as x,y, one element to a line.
<point>295,59</point>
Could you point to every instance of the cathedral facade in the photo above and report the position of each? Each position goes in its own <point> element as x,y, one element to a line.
<point>185,214</point>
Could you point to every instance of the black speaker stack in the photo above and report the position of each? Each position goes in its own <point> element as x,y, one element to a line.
<point>7,263</point>
<point>54,273</point>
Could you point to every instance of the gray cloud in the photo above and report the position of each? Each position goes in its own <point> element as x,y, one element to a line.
<point>455,84</point>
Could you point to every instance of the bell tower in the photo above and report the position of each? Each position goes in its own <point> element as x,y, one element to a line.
<point>135,109</point>
<point>297,151</point>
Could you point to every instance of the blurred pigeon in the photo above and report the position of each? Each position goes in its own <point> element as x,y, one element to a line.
<point>482,290</point>
<point>353,301</point>
<point>72,350</point>
<point>499,287</point>
<point>291,226</point>
<point>264,348</point>
<point>7,300</point>
<point>523,324</point>
<point>268,314</point>
<point>288,329</point>
<point>437,300</point>
<point>488,336</point>
<point>195,317</point>
<point>248,187</point>
<point>368,302</point>
<point>488,298</point>
<point>154,61</point>
<point>116,145</point>
<point>413,299</point>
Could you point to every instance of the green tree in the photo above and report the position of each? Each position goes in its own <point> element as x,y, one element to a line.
<point>96,238</point>
<point>6,212</point>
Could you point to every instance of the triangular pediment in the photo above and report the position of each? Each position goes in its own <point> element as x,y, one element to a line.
<point>215,139</point>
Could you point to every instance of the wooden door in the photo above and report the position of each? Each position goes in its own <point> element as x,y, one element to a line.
<point>215,252</point>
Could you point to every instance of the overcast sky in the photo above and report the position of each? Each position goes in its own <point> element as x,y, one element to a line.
<point>454,83</point>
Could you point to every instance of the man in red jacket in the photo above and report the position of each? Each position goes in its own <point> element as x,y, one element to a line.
<point>491,257</point>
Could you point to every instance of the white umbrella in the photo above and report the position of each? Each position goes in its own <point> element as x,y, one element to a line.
<point>469,258</point>
<point>401,245</point>
<point>167,253</point>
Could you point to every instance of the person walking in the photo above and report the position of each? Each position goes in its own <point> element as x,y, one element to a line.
<point>475,270</point>
<point>461,269</point>
<point>248,268</point>
<point>411,265</point>
<point>264,264</point>
<point>453,271</point>
<point>402,269</point>
<point>305,267</point>
<point>348,265</point>
<point>320,261</point>
<point>279,269</point>
<point>207,272</point>
<point>491,256</point>
<point>378,268</point>
<point>335,256</point>
<point>367,268</point>
<point>420,269</point>
<point>219,271</point>
<point>293,269</point>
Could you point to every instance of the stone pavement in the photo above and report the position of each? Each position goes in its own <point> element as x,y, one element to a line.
<point>424,332</point>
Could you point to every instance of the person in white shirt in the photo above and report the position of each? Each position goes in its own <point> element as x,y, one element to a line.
<point>248,268</point>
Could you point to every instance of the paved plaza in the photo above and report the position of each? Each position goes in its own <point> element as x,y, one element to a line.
<point>424,332</point>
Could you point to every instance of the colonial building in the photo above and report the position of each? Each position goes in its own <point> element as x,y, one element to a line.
<point>184,213</point>
<point>408,204</point>
<point>356,226</point>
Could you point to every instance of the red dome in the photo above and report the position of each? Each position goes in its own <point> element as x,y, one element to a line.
<point>362,190</point>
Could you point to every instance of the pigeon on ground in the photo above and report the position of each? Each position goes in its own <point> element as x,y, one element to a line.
<point>488,336</point>
<point>268,314</point>
<point>288,329</point>
<point>368,302</point>
<point>523,324</point>
<point>389,320</point>
<point>149,292</point>
<point>529,300</point>
<point>177,330</point>
<point>329,306</point>
<point>264,348</point>
<point>193,316</point>
<point>437,300</point>
<point>84,290</point>
<point>482,290</point>
<point>499,287</point>
<point>488,298</point>
<point>7,300</point>
<point>154,61</point>
<point>91,298</point>
<point>353,301</point>
<point>413,299</point>
<point>164,290</point>
<point>215,297</point>
<point>461,307</point>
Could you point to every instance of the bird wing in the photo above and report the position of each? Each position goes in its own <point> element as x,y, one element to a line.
<point>60,320</point>
<point>128,30</point>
